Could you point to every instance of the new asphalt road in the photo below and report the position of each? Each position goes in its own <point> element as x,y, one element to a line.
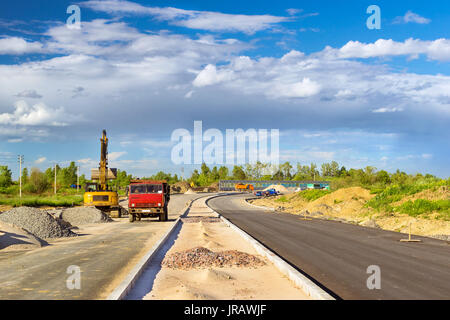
<point>338,255</point>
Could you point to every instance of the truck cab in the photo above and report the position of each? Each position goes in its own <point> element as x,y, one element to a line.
<point>148,198</point>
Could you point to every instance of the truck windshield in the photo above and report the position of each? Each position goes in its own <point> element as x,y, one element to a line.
<point>146,188</point>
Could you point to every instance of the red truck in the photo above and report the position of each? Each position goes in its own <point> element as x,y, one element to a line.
<point>148,198</point>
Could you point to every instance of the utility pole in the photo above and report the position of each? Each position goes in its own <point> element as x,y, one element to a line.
<point>20,159</point>
<point>55,178</point>
<point>78,177</point>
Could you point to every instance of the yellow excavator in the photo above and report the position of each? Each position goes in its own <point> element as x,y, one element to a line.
<point>99,194</point>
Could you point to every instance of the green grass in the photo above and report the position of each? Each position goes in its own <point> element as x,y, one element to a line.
<point>37,201</point>
<point>422,207</point>
<point>282,199</point>
<point>313,194</point>
<point>385,197</point>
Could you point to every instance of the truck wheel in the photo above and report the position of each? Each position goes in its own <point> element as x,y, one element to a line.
<point>119,215</point>
<point>163,216</point>
<point>139,217</point>
<point>131,217</point>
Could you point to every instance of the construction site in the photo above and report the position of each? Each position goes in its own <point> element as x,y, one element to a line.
<point>224,159</point>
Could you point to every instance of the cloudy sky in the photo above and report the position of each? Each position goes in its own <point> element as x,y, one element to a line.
<point>335,89</point>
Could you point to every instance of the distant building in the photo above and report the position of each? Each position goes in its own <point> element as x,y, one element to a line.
<point>228,185</point>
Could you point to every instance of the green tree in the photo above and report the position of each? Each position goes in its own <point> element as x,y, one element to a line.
<point>24,176</point>
<point>238,173</point>
<point>5,177</point>
<point>38,181</point>
<point>223,172</point>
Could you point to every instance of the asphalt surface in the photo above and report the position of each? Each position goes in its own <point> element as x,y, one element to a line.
<point>103,256</point>
<point>336,255</point>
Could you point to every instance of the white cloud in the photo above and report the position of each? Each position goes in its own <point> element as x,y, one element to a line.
<point>411,17</point>
<point>209,76</point>
<point>18,46</point>
<point>438,49</point>
<point>193,19</point>
<point>293,11</point>
<point>29,94</point>
<point>116,155</point>
<point>38,114</point>
<point>389,110</point>
<point>40,160</point>
<point>301,89</point>
<point>427,156</point>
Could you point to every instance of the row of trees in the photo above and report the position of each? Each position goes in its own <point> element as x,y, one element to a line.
<point>328,171</point>
<point>39,182</point>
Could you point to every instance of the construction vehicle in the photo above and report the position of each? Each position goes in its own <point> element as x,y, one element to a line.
<point>148,198</point>
<point>98,194</point>
<point>244,187</point>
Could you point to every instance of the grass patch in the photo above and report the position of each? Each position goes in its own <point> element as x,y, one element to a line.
<point>313,194</point>
<point>282,199</point>
<point>384,198</point>
<point>422,206</point>
<point>38,201</point>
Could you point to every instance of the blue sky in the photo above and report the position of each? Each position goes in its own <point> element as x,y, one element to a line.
<point>312,69</point>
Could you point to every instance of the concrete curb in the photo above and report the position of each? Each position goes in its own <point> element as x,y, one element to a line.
<point>125,286</point>
<point>309,287</point>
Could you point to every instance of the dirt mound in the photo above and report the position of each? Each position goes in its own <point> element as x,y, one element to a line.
<point>278,187</point>
<point>179,187</point>
<point>37,222</point>
<point>190,191</point>
<point>213,187</point>
<point>347,203</point>
<point>84,215</point>
<point>201,257</point>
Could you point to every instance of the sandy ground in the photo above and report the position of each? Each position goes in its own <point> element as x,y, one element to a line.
<point>347,205</point>
<point>13,238</point>
<point>105,253</point>
<point>263,282</point>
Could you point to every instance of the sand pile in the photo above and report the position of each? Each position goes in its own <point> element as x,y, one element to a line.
<point>201,257</point>
<point>37,222</point>
<point>190,191</point>
<point>84,215</point>
<point>278,187</point>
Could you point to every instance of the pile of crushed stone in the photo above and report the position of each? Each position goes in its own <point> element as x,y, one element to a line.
<point>200,257</point>
<point>83,215</point>
<point>37,222</point>
<point>196,219</point>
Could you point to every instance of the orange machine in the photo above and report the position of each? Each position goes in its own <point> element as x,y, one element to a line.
<point>244,187</point>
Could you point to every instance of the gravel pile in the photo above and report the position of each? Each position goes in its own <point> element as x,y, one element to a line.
<point>201,257</point>
<point>196,219</point>
<point>37,222</point>
<point>84,215</point>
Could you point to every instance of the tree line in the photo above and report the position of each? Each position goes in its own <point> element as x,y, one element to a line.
<point>38,182</point>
